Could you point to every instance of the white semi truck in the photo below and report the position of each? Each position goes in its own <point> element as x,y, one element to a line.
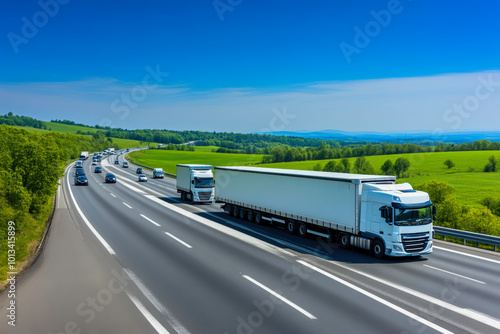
<point>365,211</point>
<point>84,155</point>
<point>195,182</point>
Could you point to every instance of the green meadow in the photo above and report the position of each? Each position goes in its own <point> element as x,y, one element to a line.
<point>467,177</point>
<point>168,159</point>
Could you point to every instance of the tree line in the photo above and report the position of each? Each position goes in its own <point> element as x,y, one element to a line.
<point>30,167</point>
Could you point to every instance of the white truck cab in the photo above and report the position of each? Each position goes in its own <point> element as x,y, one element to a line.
<point>195,182</point>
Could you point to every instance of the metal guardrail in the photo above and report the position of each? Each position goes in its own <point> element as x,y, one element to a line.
<point>468,236</point>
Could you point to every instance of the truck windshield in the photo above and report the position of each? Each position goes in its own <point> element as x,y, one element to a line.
<point>203,182</point>
<point>419,216</point>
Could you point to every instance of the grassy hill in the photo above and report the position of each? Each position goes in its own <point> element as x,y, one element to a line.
<point>470,183</point>
<point>168,159</point>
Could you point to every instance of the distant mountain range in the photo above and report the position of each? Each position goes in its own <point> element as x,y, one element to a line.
<point>393,137</point>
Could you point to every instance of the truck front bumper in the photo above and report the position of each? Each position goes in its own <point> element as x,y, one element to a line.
<point>398,250</point>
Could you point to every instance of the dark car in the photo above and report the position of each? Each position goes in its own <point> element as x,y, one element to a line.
<point>79,164</point>
<point>81,180</point>
<point>98,169</point>
<point>139,171</point>
<point>110,178</point>
<point>117,162</point>
<point>79,171</point>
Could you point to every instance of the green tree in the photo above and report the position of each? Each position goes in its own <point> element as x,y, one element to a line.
<point>401,166</point>
<point>317,167</point>
<point>438,191</point>
<point>330,166</point>
<point>388,167</point>
<point>492,165</point>
<point>347,165</point>
<point>493,204</point>
<point>450,164</point>
<point>363,166</point>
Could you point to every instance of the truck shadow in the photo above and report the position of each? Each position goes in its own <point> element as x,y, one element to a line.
<point>275,235</point>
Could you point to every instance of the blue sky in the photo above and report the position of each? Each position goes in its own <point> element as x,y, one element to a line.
<point>240,65</point>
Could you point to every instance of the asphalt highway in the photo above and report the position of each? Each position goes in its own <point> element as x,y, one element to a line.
<point>132,257</point>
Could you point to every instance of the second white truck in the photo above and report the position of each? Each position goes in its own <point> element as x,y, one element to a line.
<point>365,211</point>
<point>195,183</point>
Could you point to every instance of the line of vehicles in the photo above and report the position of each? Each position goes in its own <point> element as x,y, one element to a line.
<point>370,212</point>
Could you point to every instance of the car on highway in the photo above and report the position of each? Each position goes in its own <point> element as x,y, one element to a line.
<point>79,164</point>
<point>125,164</point>
<point>79,171</point>
<point>110,178</point>
<point>94,163</point>
<point>139,171</point>
<point>81,180</point>
<point>98,169</point>
<point>117,162</point>
<point>143,178</point>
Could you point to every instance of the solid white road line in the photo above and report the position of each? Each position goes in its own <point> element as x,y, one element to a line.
<point>150,220</point>
<point>376,298</point>
<point>149,317</point>
<point>492,322</point>
<point>178,240</point>
<point>295,306</point>
<point>98,236</point>
<point>112,195</point>
<point>451,273</point>
<point>128,206</point>
<point>466,254</point>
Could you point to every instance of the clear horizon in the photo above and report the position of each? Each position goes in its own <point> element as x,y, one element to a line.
<point>254,66</point>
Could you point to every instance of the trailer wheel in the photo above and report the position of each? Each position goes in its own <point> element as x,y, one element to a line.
<point>229,209</point>
<point>250,216</point>
<point>302,229</point>
<point>378,249</point>
<point>235,211</point>
<point>241,213</point>
<point>258,218</point>
<point>291,226</point>
<point>344,240</point>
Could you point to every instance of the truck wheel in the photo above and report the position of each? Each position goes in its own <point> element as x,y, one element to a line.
<point>250,216</point>
<point>183,196</point>
<point>235,211</point>
<point>291,226</point>
<point>229,209</point>
<point>344,240</point>
<point>378,249</point>
<point>242,213</point>
<point>302,229</point>
<point>258,218</point>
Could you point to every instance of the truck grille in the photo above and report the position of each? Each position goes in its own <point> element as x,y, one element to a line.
<point>204,195</point>
<point>415,242</point>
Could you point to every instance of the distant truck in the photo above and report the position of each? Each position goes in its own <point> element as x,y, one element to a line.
<point>84,155</point>
<point>195,182</point>
<point>366,211</point>
<point>110,150</point>
<point>158,173</point>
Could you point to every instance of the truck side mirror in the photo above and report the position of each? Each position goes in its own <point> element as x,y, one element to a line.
<point>386,212</point>
<point>434,210</point>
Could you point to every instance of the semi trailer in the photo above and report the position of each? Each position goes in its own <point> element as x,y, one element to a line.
<point>195,182</point>
<point>371,212</point>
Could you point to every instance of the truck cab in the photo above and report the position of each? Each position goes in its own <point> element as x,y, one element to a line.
<point>195,182</point>
<point>397,219</point>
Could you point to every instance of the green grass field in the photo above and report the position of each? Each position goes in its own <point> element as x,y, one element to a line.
<point>118,143</point>
<point>168,160</point>
<point>471,184</point>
